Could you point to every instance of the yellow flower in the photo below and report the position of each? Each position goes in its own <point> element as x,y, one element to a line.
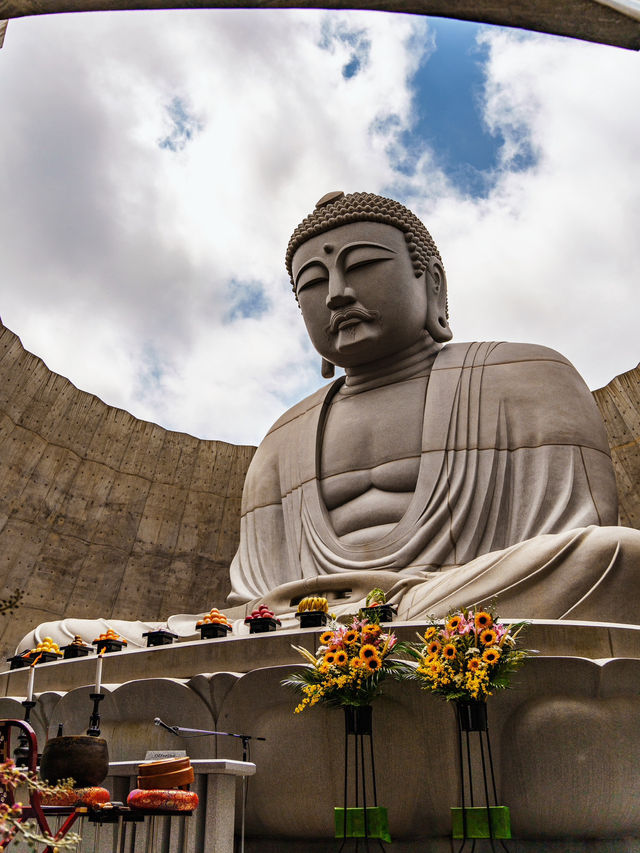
<point>449,651</point>
<point>341,658</point>
<point>355,663</point>
<point>473,664</point>
<point>433,648</point>
<point>326,637</point>
<point>483,620</point>
<point>368,651</point>
<point>491,656</point>
<point>350,637</point>
<point>373,663</point>
<point>371,630</point>
<point>330,658</point>
<point>488,637</point>
<point>452,624</point>
<point>430,632</point>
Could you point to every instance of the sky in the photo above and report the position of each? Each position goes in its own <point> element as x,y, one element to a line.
<point>154,165</point>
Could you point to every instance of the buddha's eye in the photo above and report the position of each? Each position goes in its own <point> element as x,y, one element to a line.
<point>363,256</point>
<point>311,276</point>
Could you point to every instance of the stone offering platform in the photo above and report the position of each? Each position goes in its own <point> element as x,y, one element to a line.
<point>565,745</point>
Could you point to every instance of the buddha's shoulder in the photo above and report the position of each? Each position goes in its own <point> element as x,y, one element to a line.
<point>490,353</point>
<point>302,410</point>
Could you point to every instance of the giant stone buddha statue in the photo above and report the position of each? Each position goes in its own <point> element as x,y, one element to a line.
<point>446,474</point>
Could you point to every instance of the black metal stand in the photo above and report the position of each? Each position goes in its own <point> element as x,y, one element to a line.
<point>21,752</point>
<point>472,717</point>
<point>358,725</point>
<point>182,731</point>
<point>94,720</point>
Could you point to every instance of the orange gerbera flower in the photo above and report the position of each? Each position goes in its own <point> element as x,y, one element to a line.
<point>449,651</point>
<point>483,620</point>
<point>350,637</point>
<point>433,648</point>
<point>368,651</point>
<point>326,637</point>
<point>341,658</point>
<point>488,637</point>
<point>474,664</point>
<point>373,663</point>
<point>491,656</point>
<point>355,663</point>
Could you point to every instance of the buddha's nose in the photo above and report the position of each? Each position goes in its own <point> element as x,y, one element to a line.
<point>339,294</point>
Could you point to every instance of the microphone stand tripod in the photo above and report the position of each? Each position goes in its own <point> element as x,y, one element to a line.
<point>183,732</point>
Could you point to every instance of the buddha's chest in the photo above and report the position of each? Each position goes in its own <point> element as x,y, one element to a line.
<point>373,428</point>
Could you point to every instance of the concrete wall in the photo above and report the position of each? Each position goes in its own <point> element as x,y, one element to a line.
<point>102,513</point>
<point>619,404</point>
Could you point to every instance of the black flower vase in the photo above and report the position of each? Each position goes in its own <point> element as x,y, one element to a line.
<point>364,818</point>
<point>471,821</point>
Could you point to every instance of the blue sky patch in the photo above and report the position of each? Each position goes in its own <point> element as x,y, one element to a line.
<point>247,299</point>
<point>355,39</point>
<point>449,86</point>
<point>184,126</point>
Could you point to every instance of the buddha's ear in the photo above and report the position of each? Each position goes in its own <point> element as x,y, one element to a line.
<point>437,320</point>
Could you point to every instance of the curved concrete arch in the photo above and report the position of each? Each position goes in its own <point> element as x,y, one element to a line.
<point>614,22</point>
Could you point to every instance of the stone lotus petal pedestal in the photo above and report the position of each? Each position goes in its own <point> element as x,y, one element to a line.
<point>564,738</point>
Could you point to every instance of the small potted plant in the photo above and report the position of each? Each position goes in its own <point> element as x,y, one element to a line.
<point>376,608</point>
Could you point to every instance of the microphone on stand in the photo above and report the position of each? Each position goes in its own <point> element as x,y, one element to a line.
<point>172,729</point>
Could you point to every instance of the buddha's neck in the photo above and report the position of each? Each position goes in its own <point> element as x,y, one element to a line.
<point>415,360</point>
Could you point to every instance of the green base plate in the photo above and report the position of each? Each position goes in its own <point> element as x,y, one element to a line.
<point>377,823</point>
<point>478,822</point>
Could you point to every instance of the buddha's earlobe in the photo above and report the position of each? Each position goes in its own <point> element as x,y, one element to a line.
<point>327,369</point>
<point>437,324</point>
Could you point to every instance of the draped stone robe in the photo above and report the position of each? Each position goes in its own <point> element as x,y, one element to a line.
<point>514,466</point>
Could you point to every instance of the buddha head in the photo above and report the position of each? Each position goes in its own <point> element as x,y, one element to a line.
<point>368,278</point>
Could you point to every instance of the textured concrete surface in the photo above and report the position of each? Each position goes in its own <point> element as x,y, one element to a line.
<point>102,513</point>
<point>619,404</point>
<point>585,19</point>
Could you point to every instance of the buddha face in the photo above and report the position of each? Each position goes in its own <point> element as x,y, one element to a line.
<point>359,295</point>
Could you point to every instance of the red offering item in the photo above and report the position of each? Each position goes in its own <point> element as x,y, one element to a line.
<point>89,796</point>
<point>174,801</point>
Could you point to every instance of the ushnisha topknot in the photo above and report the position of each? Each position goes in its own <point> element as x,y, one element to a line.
<point>336,208</point>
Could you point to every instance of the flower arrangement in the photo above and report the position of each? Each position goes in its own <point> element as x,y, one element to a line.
<point>468,657</point>
<point>348,667</point>
<point>12,826</point>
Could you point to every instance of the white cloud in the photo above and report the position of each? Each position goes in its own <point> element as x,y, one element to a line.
<point>119,253</point>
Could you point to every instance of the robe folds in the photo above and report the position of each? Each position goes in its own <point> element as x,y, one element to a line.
<point>515,500</point>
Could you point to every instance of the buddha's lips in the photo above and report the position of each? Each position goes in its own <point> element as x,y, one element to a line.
<point>347,315</point>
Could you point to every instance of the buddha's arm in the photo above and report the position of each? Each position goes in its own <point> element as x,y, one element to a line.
<point>546,404</point>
